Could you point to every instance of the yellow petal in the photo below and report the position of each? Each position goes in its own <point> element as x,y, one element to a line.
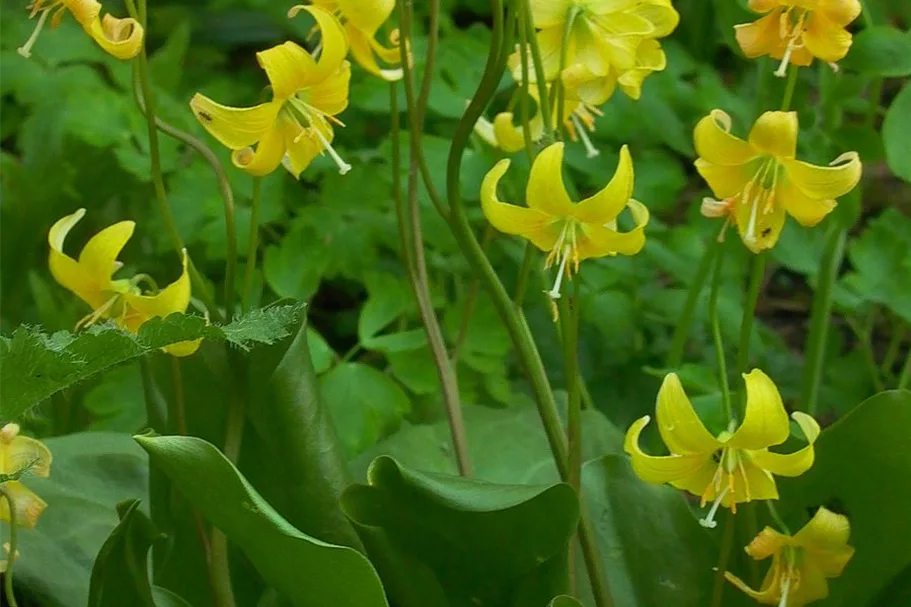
<point>769,221</point>
<point>765,422</point>
<point>28,505</point>
<point>825,182</point>
<point>825,39</point>
<point>768,542</point>
<point>173,298</point>
<point>775,133</point>
<point>761,37</point>
<point>235,128</point>
<point>661,14</point>
<point>806,210</point>
<point>268,153</point>
<point>715,143</point>
<point>763,6</point>
<point>289,68</point>
<point>121,38</point>
<point>302,149</point>
<point>507,136</point>
<point>590,88</point>
<point>549,13</point>
<point>812,587</point>
<point>725,181</point>
<point>550,45</point>
<point>330,95</point>
<point>85,11</point>
<point>841,12</point>
<point>680,427</point>
<point>770,591</point>
<point>613,198</point>
<point>99,255</point>
<point>657,469</point>
<point>751,483</point>
<point>367,15</point>
<point>333,41</point>
<point>545,191</point>
<point>68,272</point>
<point>24,452</point>
<point>790,464</point>
<point>600,241</point>
<point>825,536</point>
<point>535,225</point>
<point>362,49</point>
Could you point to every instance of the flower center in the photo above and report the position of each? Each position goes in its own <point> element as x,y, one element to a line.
<point>317,126</point>
<point>790,27</point>
<point>565,248</point>
<point>730,462</point>
<point>759,193</point>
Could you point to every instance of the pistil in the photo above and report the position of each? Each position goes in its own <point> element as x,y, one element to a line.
<point>26,49</point>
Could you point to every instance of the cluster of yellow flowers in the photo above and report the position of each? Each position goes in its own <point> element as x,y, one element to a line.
<point>19,456</point>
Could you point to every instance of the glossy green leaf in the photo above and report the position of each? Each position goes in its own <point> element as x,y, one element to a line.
<point>881,50</point>
<point>655,552</point>
<point>897,132</point>
<point>283,555</point>
<point>564,601</point>
<point>862,470</point>
<point>165,598</point>
<point>445,540</point>
<point>119,575</point>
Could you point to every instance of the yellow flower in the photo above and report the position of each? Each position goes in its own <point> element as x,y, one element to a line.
<point>604,35</point>
<point>800,564</point>
<point>763,177</point>
<point>795,31</point>
<point>734,467</point>
<point>361,20</point>
<point>121,38</point>
<point>121,300</point>
<point>296,124</point>
<point>22,455</point>
<point>595,90</point>
<point>563,229</point>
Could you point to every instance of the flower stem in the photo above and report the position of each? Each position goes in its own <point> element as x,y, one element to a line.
<point>716,335</point>
<point>773,512</point>
<point>252,243</point>
<point>558,88</point>
<point>11,558</point>
<point>863,335</point>
<point>904,379</point>
<point>411,233</point>
<point>789,88</point>
<point>543,100</point>
<point>524,270</point>
<point>820,317</point>
<point>749,310</point>
<point>727,544</point>
<point>569,334</point>
<point>899,331</point>
<point>682,330</point>
<point>524,113</point>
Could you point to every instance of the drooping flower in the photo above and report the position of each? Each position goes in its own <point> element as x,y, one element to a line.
<point>763,179</point>
<point>121,300</point>
<point>361,20</point>
<point>802,563</point>
<point>567,231</point>
<point>735,466</point>
<point>4,562</point>
<point>796,31</point>
<point>596,89</point>
<point>19,456</point>
<point>121,38</point>
<point>296,124</point>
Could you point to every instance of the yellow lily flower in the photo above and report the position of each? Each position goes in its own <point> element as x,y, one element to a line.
<point>563,229</point>
<point>800,564</point>
<point>22,455</point>
<point>735,466</point>
<point>296,124</point>
<point>121,38</point>
<point>603,34</point>
<point>762,178</point>
<point>593,89</point>
<point>361,20</point>
<point>121,300</point>
<point>796,31</point>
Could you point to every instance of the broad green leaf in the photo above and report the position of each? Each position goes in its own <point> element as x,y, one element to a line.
<point>119,575</point>
<point>404,341</point>
<point>165,598</point>
<point>862,470</point>
<point>388,298</point>
<point>295,267</point>
<point>504,445</point>
<point>365,404</point>
<point>308,572</point>
<point>564,601</point>
<point>655,552</point>
<point>293,426</point>
<point>896,133</point>
<point>36,365</point>
<point>881,50</point>
<point>445,540</point>
<point>91,473</point>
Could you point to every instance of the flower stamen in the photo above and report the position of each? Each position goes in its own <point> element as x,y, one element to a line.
<point>26,49</point>
<point>709,521</point>
<point>554,293</point>
<point>590,150</point>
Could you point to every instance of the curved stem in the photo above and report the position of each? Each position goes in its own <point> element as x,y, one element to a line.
<point>821,316</point>
<point>773,512</point>
<point>789,88</point>
<point>904,379</point>
<point>559,90</point>
<point>716,335</point>
<point>540,80</point>
<point>11,558</point>
<point>749,310</point>
<point>682,329</point>
<point>252,243</point>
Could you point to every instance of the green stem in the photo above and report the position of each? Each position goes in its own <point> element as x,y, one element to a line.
<point>412,226</point>
<point>904,379</point>
<point>524,110</point>
<point>749,311</point>
<point>895,343</point>
<point>524,271</point>
<point>727,544</point>
<point>789,88</point>
<point>11,558</point>
<point>682,330</point>
<point>543,100</point>
<point>252,243</point>
<point>569,334</point>
<point>773,512</point>
<point>876,91</point>
<point>820,317</point>
<point>863,335</point>
<point>716,335</point>
<point>559,91</point>
<point>470,301</point>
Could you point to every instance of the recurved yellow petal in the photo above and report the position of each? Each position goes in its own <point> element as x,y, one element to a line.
<point>715,143</point>
<point>825,39</point>
<point>533,224</point>
<point>67,271</point>
<point>791,464</point>
<point>28,505</point>
<point>680,427</point>
<point>601,241</point>
<point>330,95</point>
<point>808,211</point>
<point>841,12</point>
<point>364,51</point>
<point>659,469</point>
<point>332,40</point>
<point>832,181</point>
<point>761,37</point>
<point>545,191</point>
<point>613,198</point>
<point>19,452</point>
<point>99,255</point>
<point>303,147</point>
<point>825,537</point>
<point>235,128</point>
<point>507,135</point>
<point>775,133</point>
<point>121,38</point>
<point>267,155</point>
<point>173,298</point>
<point>765,422</point>
<point>288,67</point>
<point>366,15</point>
<point>549,13</point>
<point>725,181</point>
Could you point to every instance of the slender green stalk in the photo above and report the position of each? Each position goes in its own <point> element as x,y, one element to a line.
<point>252,243</point>
<point>11,558</point>
<point>569,335</point>
<point>682,330</point>
<point>789,88</point>
<point>418,266</point>
<point>220,570</point>
<point>727,544</point>
<point>541,81</point>
<point>749,310</point>
<point>513,321</point>
<point>524,110</point>
<point>528,260</point>
<point>820,317</point>
<point>895,343</point>
<point>558,88</point>
<point>470,301</point>
<point>716,335</point>
<point>904,379</point>
<point>864,335</point>
<point>773,512</point>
